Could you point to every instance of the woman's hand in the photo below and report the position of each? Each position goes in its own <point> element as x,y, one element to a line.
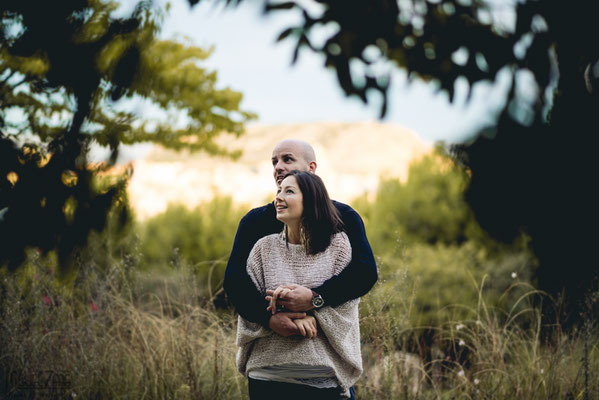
<point>282,323</point>
<point>276,295</point>
<point>307,326</point>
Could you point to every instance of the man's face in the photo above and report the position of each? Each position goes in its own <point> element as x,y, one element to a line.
<point>287,157</point>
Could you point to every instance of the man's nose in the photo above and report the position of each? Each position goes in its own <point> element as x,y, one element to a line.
<point>279,166</point>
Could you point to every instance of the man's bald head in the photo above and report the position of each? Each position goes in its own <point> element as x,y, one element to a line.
<point>304,148</point>
<point>290,154</point>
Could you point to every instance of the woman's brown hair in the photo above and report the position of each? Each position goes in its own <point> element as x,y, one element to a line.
<point>320,219</point>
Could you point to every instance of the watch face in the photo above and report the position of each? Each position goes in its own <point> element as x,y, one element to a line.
<point>317,302</point>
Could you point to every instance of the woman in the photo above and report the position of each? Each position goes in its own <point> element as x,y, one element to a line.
<point>325,361</point>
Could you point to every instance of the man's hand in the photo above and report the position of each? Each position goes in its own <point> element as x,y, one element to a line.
<point>307,326</point>
<point>282,323</point>
<point>293,297</point>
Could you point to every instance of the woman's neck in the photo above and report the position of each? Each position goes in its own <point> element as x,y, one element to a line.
<point>293,234</point>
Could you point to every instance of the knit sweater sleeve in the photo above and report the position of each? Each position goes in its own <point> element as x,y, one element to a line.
<point>248,331</point>
<point>255,268</point>
<point>340,324</point>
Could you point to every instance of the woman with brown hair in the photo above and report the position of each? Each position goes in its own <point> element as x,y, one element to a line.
<point>325,361</point>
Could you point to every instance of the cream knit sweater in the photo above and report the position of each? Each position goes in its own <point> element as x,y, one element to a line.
<point>272,263</point>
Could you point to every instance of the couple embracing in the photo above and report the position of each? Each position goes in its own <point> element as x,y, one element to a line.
<point>295,275</point>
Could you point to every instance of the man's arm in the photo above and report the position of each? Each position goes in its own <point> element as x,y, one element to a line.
<point>361,273</point>
<point>238,285</point>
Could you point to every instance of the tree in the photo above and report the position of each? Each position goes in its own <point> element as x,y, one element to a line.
<point>532,170</point>
<point>428,207</point>
<point>66,68</point>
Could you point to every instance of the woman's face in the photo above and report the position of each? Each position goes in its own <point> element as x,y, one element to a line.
<point>289,201</point>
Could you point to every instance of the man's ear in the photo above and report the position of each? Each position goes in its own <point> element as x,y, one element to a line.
<point>312,166</point>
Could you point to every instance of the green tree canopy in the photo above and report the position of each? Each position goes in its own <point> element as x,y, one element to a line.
<point>164,73</point>
<point>69,72</point>
<point>428,207</point>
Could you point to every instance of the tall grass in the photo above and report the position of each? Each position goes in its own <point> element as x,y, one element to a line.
<point>117,336</point>
<point>114,342</point>
<point>495,354</point>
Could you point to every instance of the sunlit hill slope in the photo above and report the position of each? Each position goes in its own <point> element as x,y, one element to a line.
<point>351,158</point>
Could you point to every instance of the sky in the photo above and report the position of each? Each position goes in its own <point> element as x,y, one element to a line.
<point>248,59</point>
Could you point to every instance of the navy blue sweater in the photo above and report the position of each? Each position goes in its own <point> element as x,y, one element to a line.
<point>354,281</point>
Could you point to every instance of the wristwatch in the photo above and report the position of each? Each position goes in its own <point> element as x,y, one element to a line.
<point>317,300</point>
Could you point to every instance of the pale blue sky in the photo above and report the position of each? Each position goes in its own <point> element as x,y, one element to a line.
<point>248,60</point>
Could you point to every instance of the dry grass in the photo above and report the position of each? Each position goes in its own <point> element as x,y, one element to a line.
<point>496,354</point>
<point>108,339</point>
<point>58,343</point>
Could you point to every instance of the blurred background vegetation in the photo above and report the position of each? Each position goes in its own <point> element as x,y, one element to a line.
<point>454,313</point>
<point>98,305</point>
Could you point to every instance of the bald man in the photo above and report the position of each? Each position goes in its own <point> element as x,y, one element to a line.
<point>354,281</point>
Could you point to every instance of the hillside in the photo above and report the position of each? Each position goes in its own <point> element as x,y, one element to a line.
<point>351,157</point>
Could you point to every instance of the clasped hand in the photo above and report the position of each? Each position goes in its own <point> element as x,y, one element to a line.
<point>295,298</point>
<point>289,324</point>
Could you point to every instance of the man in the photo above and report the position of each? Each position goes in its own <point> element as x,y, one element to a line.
<point>354,281</point>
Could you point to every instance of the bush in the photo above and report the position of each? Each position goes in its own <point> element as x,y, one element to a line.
<point>199,239</point>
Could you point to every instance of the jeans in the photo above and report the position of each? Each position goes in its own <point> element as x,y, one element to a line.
<point>262,390</point>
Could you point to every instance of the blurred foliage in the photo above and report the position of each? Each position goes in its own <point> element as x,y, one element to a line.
<point>199,240</point>
<point>164,73</point>
<point>113,250</point>
<point>532,168</point>
<point>427,238</point>
<point>428,207</point>
<point>70,74</point>
<point>447,281</point>
<point>116,245</point>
